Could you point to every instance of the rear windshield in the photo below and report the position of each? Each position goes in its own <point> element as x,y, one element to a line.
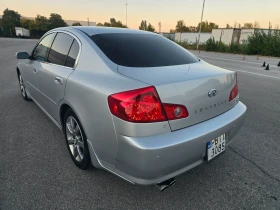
<point>142,50</point>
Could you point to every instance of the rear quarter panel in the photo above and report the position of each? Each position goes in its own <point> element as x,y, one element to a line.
<point>87,90</point>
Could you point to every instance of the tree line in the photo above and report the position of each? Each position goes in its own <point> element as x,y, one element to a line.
<point>12,19</point>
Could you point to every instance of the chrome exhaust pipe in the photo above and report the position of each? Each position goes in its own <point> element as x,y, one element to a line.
<point>166,184</point>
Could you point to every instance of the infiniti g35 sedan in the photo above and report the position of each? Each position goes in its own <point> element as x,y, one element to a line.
<point>132,102</point>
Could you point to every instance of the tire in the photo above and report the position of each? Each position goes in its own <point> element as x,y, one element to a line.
<point>22,88</point>
<point>76,140</point>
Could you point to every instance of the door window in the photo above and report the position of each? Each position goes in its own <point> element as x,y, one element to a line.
<point>73,54</point>
<point>60,48</point>
<point>41,50</point>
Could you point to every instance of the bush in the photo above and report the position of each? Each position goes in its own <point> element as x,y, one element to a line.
<point>264,44</point>
<point>260,43</point>
<point>192,46</point>
<point>210,45</point>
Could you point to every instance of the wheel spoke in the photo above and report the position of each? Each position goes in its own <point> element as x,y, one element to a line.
<point>80,143</point>
<point>69,128</point>
<point>72,124</point>
<point>71,141</point>
<point>77,129</point>
<point>75,151</point>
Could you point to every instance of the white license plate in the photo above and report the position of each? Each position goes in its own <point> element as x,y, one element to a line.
<point>216,147</point>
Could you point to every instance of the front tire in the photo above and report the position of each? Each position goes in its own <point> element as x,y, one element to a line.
<point>76,140</point>
<point>22,88</point>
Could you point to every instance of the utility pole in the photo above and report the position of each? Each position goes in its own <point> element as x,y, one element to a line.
<point>200,25</point>
<point>126,13</point>
<point>88,21</point>
<point>159,26</point>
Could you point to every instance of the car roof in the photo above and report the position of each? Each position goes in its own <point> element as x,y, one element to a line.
<point>93,30</point>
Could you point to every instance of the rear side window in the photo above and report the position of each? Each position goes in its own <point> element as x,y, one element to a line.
<point>42,49</point>
<point>73,53</point>
<point>60,48</point>
<point>142,50</point>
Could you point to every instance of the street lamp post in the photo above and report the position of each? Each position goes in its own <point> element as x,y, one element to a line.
<point>200,26</point>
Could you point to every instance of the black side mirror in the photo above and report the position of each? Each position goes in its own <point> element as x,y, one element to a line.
<point>22,55</point>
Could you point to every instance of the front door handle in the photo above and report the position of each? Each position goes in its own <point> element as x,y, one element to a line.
<point>58,81</point>
<point>35,71</point>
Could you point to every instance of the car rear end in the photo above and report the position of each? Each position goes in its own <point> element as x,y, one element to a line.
<point>187,112</point>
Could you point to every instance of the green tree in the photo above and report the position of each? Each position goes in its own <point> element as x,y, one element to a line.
<point>256,24</point>
<point>150,28</point>
<point>25,23</point>
<point>106,24</point>
<point>56,21</point>
<point>41,23</point>
<point>76,24</point>
<point>113,23</point>
<point>181,27</point>
<point>10,19</point>
<point>1,27</point>
<point>228,26</point>
<point>248,25</point>
<point>172,31</point>
<point>207,27</point>
<point>143,25</point>
<point>117,24</point>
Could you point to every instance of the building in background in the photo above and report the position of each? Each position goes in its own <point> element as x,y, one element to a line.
<point>192,37</point>
<point>170,36</point>
<point>226,35</point>
<point>22,32</point>
<point>246,32</point>
<point>83,23</point>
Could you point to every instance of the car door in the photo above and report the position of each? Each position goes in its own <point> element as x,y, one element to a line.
<point>53,75</point>
<point>38,56</point>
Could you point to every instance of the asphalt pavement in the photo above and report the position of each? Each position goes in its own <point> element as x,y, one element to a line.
<point>36,171</point>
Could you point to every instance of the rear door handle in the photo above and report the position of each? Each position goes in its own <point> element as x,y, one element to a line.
<point>35,71</point>
<point>58,81</point>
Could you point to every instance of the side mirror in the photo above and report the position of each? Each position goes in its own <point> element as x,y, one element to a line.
<point>22,55</point>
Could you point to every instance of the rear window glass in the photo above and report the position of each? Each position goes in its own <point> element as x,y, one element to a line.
<point>142,50</point>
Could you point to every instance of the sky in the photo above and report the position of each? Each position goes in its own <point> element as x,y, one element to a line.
<point>168,12</point>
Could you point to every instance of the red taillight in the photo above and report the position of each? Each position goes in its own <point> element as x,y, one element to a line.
<point>234,91</point>
<point>143,106</point>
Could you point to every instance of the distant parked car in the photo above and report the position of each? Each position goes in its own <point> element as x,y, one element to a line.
<point>132,102</point>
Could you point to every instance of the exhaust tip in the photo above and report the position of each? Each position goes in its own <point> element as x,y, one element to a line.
<point>166,184</point>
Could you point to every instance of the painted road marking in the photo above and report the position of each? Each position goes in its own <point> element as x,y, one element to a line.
<point>253,73</point>
<point>227,59</point>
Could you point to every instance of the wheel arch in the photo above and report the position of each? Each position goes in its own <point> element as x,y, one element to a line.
<point>62,110</point>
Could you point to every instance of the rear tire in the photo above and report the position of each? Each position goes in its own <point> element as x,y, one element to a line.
<point>76,140</point>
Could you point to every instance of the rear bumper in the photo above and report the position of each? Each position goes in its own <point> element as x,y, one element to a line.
<point>153,159</point>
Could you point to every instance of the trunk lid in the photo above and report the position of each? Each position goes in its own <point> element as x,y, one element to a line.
<point>189,85</point>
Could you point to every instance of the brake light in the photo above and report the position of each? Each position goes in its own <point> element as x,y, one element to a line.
<point>144,106</point>
<point>234,92</point>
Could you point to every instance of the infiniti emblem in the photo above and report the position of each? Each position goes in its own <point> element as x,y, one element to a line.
<point>212,93</point>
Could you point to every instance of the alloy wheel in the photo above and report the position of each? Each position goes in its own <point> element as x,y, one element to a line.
<point>75,139</point>
<point>22,87</point>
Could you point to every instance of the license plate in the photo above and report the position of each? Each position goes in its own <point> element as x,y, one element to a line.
<point>216,147</point>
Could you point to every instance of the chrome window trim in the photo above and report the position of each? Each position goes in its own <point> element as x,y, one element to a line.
<point>66,32</point>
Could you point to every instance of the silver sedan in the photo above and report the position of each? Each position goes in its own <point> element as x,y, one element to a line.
<point>132,102</point>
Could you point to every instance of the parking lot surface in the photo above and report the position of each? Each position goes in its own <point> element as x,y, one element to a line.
<point>36,171</point>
